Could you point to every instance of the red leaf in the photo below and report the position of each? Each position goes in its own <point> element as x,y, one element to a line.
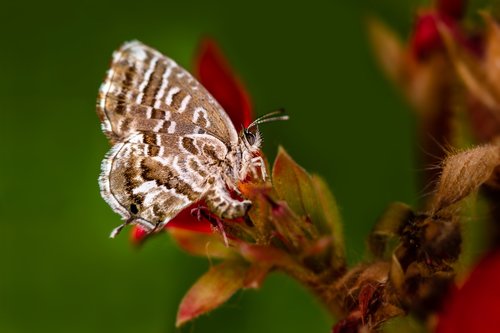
<point>216,76</point>
<point>266,255</point>
<point>212,289</point>
<point>255,275</point>
<point>475,306</point>
<point>138,235</point>
<point>201,244</point>
<point>186,220</point>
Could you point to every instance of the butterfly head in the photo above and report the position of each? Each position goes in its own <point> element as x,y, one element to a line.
<point>251,139</point>
<point>248,158</point>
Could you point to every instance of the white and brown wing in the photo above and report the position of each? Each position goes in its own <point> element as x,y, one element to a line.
<point>170,140</point>
<point>150,177</point>
<point>145,91</point>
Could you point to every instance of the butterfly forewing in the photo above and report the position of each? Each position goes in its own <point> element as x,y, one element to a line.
<point>146,91</point>
<point>170,137</point>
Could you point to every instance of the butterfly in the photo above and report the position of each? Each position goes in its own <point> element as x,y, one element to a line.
<point>173,144</point>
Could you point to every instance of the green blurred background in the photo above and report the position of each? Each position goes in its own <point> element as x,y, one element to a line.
<point>59,271</point>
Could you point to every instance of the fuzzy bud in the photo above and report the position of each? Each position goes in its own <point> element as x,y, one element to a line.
<point>463,173</point>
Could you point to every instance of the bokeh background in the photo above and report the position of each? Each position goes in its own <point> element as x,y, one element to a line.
<point>59,271</point>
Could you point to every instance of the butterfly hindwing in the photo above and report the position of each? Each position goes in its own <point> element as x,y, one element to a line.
<point>149,177</point>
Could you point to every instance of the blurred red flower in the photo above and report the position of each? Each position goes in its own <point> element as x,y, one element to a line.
<point>426,37</point>
<point>215,74</point>
<point>475,306</point>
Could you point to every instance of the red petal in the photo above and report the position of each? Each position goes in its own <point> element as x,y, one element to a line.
<point>475,307</point>
<point>217,77</point>
<point>138,235</point>
<point>426,37</point>
<point>185,220</point>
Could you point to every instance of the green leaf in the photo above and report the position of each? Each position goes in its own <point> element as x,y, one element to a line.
<point>309,196</point>
<point>293,185</point>
<point>331,218</point>
<point>295,233</point>
<point>213,289</point>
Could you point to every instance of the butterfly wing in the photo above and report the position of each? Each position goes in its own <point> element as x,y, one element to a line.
<point>168,133</point>
<point>149,177</point>
<point>147,91</point>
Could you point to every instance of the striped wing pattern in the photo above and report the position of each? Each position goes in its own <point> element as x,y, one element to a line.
<point>170,137</point>
<point>146,91</point>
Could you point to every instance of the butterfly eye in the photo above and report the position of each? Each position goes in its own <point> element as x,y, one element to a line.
<point>250,137</point>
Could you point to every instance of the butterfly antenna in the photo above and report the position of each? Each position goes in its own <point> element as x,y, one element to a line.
<point>271,116</point>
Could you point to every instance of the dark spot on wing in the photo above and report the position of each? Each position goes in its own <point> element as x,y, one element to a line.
<point>188,144</point>
<point>134,209</point>
<point>165,127</point>
<point>153,150</point>
<point>150,138</point>
<point>125,125</point>
<point>209,151</point>
<point>157,114</point>
<point>197,168</point>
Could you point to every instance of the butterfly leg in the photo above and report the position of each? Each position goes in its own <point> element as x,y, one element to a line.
<point>203,213</point>
<point>231,185</point>
<point>145,225</point>
<point>118,229</point>
<point>253,166</point>
<point>258,162</point>
<point>220,202</point>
